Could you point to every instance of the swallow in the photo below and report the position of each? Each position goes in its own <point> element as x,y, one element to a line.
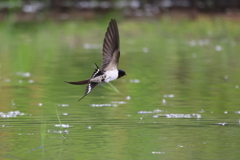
<point>111,55</point>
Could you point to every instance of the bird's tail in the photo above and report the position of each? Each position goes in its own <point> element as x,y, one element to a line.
<point>79,82</point>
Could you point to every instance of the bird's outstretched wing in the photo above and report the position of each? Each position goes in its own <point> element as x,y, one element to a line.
<point>111,50</point>
<point>90,84</point>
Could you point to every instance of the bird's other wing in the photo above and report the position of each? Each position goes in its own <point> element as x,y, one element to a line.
<point>111,50</point>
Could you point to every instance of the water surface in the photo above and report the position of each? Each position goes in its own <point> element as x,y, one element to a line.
<point>179,100</point>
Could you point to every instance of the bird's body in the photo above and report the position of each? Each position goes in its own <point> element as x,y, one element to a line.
<point>111,54</point>
<point>110,75</point>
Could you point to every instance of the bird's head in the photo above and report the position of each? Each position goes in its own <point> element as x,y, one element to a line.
<point>121,73</point>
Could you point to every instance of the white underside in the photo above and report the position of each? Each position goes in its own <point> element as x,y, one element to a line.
<point>111,75</point>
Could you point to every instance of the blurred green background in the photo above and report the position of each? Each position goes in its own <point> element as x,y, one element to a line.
<point>179,100</point>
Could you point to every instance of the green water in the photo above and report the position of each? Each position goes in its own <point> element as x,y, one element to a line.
<point>179,100</point>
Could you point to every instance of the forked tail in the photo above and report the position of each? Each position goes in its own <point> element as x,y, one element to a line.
<point>79,82</point>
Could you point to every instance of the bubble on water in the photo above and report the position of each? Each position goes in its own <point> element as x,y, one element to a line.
<point>201,42</point>
<point>153,152</point>
<point>145,49</point>
<point>218,48</point>
<point>63,105</point>
<point>103,105</point>
<point>169,95</point>
<point>134,81</point>
<point>222,124</point>
<point>92,46</point>
<point>30,81</point>
<point>58,132</point>
<point>192,43</point>
<point>201,111</point>
<point>148,112</point>
<point>27,74</point>
<point>62,125</point>
<point>164,101</point>
<point>11,114</point>
<point>128,98</point>
<point>197,116</point>
<point>7,80</point>
<point>157,111</point>
<point>144,112</point>
<point>119,102</point>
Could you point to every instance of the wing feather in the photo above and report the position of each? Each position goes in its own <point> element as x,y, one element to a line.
<point>111,50</point>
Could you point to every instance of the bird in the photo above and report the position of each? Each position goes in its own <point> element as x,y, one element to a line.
<point>111,55</point>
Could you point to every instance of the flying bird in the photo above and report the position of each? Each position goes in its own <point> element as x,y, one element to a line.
<point>111,54</point>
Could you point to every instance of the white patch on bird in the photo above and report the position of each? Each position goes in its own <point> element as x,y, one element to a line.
<point>89,88</point>
<point>96,73</point>
<point>111,75</point>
